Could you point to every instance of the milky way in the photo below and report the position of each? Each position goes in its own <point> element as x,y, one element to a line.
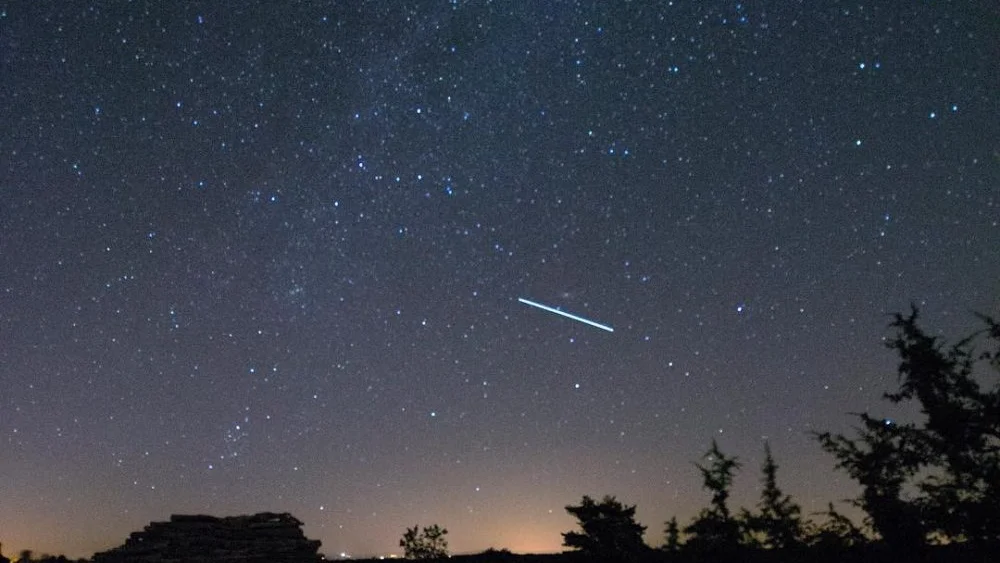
<point>259,256</point>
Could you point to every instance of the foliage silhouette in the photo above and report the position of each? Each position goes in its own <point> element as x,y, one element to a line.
<point>778,523</point>
<point>673,534</point>
<point>956,448</point>
<point>715,529</point>
<point>962,428</point>
<point>428,543</point>
<point>881,460</point>
<point>609,530</point>
<point>837,532</point>
<point>28,556</point>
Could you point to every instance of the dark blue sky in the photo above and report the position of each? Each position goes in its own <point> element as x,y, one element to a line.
<point>267,256</point>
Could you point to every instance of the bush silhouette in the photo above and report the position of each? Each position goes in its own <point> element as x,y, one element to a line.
<point>428,543</point>
<point>609,530</point>
<point>836,533</point>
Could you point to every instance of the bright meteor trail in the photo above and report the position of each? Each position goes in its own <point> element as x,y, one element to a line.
<point>565,314</point>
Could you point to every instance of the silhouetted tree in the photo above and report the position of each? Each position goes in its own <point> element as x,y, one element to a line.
<point>673,533</point>
<point>715,528</point>
<point>836,532</point>
<point>778,523</point>
<point>881,460</point>
<point>428,543</point>
<point>25,556</point>
<point>957,446</point>
<point>961,430</point>
<point>609,530</point>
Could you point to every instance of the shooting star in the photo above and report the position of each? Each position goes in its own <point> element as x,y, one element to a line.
<point>565,314</point>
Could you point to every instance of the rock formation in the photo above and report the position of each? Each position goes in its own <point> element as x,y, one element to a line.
<point>261,538</point>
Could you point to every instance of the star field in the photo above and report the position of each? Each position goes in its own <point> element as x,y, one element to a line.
<point>259,256</point>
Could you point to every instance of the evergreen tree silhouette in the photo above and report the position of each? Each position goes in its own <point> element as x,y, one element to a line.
<point>881,460</point>
<point>609,530</point>
<point>778,522</point>
<point>961,431</point>
<point>957,446</point>
<point>715,528</point>
<point>673,534</point>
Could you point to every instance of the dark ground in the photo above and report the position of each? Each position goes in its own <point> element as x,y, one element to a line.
<point>938,554</point>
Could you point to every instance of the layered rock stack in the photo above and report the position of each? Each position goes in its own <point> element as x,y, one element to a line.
<point>261,538</point>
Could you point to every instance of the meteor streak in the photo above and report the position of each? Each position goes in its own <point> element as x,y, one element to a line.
<point>565,314</point>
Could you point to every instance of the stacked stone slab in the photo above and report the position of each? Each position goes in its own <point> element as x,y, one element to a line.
<point>261,538</point>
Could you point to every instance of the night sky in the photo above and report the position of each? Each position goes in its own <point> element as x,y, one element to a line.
<point>267,255</point>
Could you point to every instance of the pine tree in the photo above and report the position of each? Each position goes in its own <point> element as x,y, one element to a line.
<point>881,460</point>
<point>778,521</point>
<point>673,534</point>
<point>715,529</point>
<point>957,445</point>
<point>962,428</point>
